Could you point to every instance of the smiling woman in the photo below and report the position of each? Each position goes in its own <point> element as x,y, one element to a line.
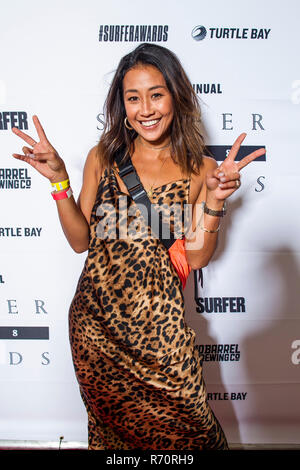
<point>151,85</point>
<point>149,106</point>
<point>148,391</point>
<point>139,373</point>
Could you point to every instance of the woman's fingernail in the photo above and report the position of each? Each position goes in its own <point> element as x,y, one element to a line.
<point>220,174</point>
<point>223,180</point>
<point>30,155</point>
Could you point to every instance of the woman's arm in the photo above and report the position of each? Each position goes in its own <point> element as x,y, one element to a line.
<point>199,244</point>
<point>74,217</point>
<point>216,185</point>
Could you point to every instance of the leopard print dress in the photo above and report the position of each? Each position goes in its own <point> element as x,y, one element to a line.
<point>139,375</point>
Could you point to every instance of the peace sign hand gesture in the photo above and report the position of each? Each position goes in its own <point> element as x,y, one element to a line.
<point>225,179</point>
<point>43,156</point>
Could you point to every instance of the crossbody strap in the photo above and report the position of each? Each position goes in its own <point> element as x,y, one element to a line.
<point>135,188</point>
<point>133,183</point>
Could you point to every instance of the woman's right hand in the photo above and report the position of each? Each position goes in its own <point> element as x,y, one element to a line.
<point>42,156</point>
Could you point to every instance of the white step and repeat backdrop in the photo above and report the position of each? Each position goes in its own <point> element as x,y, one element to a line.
<point>57,60</point>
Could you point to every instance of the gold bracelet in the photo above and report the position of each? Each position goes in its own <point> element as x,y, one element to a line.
<point>209,231</point>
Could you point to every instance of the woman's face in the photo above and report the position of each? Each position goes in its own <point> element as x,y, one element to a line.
<point>148,103</point>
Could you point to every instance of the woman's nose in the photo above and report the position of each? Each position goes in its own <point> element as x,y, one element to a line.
<point>146,108</point>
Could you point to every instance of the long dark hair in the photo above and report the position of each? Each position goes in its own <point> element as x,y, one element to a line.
<point>187,144</point>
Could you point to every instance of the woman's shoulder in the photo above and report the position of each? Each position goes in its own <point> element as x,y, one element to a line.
<point>93,155</point>
<point>94,162</point>
<point>210,162</point>
<point>207,163</point>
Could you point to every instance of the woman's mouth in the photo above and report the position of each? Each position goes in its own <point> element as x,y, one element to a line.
<point>150,124</point>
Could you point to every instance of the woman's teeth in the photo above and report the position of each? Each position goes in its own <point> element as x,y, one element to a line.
<point>149,123</point>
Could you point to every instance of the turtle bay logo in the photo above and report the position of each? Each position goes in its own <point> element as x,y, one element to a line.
<point>201,32</point>
<point>20,232</point>
<point>227,396</point>
<point>133,33</point>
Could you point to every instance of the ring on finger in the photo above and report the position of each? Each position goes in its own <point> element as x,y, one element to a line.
<point>237,183</point>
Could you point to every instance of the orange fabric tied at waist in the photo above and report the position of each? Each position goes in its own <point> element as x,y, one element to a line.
<point>178,258</point>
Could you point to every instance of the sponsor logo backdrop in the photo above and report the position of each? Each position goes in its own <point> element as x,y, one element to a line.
<point>57,60</point>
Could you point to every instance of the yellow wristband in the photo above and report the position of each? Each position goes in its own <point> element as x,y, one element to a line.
<point>61,185</point>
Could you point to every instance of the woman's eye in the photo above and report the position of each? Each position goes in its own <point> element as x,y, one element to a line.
<point>132,98</point>
<point>156,95</point>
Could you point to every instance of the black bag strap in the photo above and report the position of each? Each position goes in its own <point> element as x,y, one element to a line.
<point>135,188</point>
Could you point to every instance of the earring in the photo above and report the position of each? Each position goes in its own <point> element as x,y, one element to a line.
<point>126,124</point>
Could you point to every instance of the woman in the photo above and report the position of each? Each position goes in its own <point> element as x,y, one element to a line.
<point>139,374</point>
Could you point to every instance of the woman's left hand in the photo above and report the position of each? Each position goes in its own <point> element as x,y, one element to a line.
<point>224,180</point>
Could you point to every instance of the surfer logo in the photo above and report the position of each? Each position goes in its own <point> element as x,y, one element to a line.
<point>199,33</point>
